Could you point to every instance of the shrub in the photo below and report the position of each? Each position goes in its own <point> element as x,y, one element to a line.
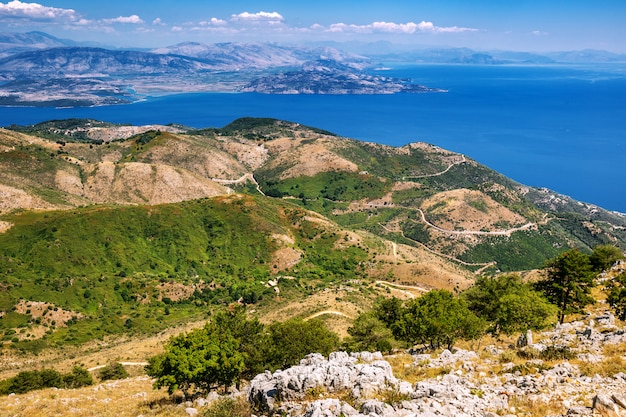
<point>229,407</point>
<point>79,377</point>
<point>113,371</point>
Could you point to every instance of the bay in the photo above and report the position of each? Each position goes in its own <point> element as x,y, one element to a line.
<point>559,127</point>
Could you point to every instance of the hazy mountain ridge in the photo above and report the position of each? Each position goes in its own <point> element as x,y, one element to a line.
<point>78,76</point>
<point>40,70</point>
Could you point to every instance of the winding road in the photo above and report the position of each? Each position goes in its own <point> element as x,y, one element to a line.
<point>243,178</point>
<point>506,232</point>
<point>463,160</point>
<point>325,312</point>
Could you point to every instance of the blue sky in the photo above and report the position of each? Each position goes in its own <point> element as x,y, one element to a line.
<point>530,25</point>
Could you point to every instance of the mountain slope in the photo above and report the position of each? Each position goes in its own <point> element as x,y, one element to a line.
<point>133,234</point>
<point>418,194</point>
<point>13,43</point>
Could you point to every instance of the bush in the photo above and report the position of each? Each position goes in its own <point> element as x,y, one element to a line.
<point>509,304</point>
<point>436,318</point>
<point>79,377</point>
<point>369,334</point>
<point>229,407</point>
<point>27,381</point>
<point>292,340</point>
<point>113,371</point>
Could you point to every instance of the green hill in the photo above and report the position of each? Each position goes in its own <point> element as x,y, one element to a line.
<point>105,230</point>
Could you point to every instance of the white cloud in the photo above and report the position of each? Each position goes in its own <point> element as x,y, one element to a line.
<point>391,27</point>
<point>158,22</point>
<point>539,33</point>
<point>134,19</point>
<point>213,22</point>
<point>33,11</point>
<point>260,17</point>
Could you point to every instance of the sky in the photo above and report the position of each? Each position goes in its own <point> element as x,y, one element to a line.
<point>523,25</point>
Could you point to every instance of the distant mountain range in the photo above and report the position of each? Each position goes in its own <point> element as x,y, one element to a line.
<point>37,69</point>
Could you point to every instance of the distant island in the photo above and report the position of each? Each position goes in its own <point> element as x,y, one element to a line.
<point>37,69</point>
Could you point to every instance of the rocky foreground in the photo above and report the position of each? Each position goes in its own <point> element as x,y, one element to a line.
<point>493,382</point>
<point>489,381</point>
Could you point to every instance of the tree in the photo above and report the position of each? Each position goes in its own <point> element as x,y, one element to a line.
<point>569,282</point>
<point>370,334</point>
<point>79,377</point>
<point>290,341</point>
<point>250,335</point>
<point>437,318</point>
<point>198,361</point>
<point>604,256</point>
<point>522,311</point>
<point>509,304</point>
<point>617,296</point>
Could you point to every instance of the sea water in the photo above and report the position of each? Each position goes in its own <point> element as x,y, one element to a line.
<point>560,127</point>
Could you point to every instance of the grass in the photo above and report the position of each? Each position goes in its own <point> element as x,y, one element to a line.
<point>405,368</point>
<point>531,406</point>
<point>613,362</point>
<point>121,398</point>
<point>229,407</point>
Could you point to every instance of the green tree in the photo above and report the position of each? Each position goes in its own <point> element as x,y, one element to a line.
<point>437,318</point>
<point>604,256</point>
<point>51,378</point>
<point>569,282</point>
<point>79,377</point>
<point>250,335</point>
<point>509,304</point>
<point>25,381</point>
<point>198,361</point>
<point>388,310</point>
<point>617,295</point>
<point>522,311</point>
<point>290,341</point>
<point>368,333</point>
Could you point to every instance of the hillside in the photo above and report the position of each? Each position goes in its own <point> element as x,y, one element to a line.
<point>108,229</point>
<point>419,195</point>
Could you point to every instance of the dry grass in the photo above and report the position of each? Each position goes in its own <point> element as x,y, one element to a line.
<point>532,407</point>
<point>127,397</point>
<point>613,362</point>
<point>404,368</point>
<point>115,349</point>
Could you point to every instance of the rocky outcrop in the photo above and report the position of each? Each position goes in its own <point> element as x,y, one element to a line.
<point>467,384</point>
<point>357,376</point>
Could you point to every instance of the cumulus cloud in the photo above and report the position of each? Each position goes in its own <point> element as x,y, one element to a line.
<point>260,17</point>
<point>391,27</point>
<point>213,22</point>
<point>134,19</point>
<point>33,11</point>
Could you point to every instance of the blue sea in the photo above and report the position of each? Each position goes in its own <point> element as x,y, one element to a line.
<point>559,127</point>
